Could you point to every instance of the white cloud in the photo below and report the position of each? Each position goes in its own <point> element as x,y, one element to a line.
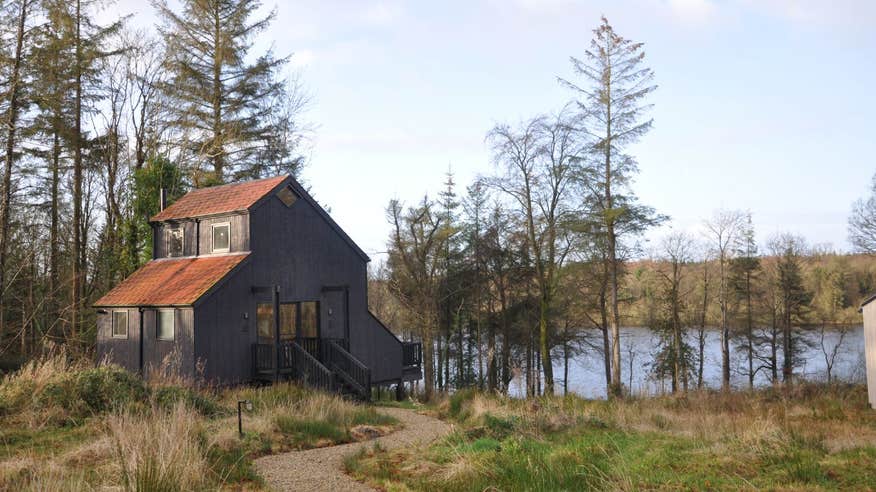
<point>819,12</point>
<point>383,14</point>
<point>693,11</point>
<point>301,58</point>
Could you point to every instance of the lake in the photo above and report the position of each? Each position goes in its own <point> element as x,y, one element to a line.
<point>587,372</point>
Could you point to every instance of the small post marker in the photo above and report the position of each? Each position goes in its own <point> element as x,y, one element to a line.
<point>240,405</point>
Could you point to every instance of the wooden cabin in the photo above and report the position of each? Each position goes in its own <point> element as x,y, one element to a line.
<point>253,282</point>
<point>869,310</point>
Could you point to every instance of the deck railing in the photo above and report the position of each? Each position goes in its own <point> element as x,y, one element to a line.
<point>412,354</point>
<point>263,357</point>
<point>309,370</point>
<point>349,367</point>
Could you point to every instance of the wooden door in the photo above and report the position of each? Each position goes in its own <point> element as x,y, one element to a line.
<point>335,318</point>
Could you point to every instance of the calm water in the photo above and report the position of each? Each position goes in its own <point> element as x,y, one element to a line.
<point>587,373</point>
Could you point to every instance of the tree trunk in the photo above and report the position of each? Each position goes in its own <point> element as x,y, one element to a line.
<point>506,342</point>
<point>217,148</point>
<point>77,184</point>
<point>491,352</point>
<point>787,349</point>
<point>544,342</point>
<point>606,346</point>
<point>749,330</point>
<point>54,247</point>
<point>530,383</point>
<point>440,358</point>
<point>566,359</point>
<point>11,127</point>
<point>428,364</point>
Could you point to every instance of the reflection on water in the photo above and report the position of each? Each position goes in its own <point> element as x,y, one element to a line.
<point>587,376</point>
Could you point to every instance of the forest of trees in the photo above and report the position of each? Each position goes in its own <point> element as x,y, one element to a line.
<point>544,260</point>
<point>97,118</point>
<point>523,269</point>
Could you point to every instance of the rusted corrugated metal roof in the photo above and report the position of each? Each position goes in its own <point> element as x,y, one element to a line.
<point>171,282</point>
<point>219,199</point>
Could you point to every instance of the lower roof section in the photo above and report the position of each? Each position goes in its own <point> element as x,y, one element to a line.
<point>171,281</point>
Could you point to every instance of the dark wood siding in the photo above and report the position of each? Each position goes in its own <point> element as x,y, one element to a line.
<point>297,249</point>
<point>239,232</point>
<point>122,351</point>
<point>194,245</point>
<point>225,329</point>
<point>176,356</point>
<point>173,356</point>
<point>160,240</point>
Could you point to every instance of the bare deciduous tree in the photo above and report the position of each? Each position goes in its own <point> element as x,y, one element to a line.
<point>723,231</point>
<point>862,222</point>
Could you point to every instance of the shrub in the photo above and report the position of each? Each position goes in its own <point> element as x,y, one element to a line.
<point>456,408</point>
<point>167,397</point>
<point>108,388</point>
<point>499,427</point>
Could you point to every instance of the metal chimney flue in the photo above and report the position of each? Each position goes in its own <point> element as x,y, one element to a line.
<point>162,199</point>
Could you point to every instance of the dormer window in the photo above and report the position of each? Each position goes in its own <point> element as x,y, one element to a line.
<point>175,241</point>
<point>221,237</point>
<point>288,196</point>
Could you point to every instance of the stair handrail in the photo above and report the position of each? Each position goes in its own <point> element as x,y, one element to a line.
<point>352,367</point>
<point>310,370</point>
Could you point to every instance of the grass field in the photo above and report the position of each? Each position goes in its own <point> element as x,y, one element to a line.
<point>66,425</point>
<point>804,438</point>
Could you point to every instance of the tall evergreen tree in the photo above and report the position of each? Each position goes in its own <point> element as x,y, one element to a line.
<point>223,106</point>
<point>793,300</point>
<point>89,42</point>
<point>613,111</point>
<point>744,270</point>
<point>17,102</point>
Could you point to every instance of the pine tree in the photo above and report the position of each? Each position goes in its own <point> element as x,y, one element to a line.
<point>744,271</point>
<point>53,126</point>
<point>612,112</point>
<point>223,106</point>
<point>17,102</point>
<point>793,299</point>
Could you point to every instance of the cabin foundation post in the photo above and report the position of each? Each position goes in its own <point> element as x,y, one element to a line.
<point>276,333</point>
<point>400,390</point>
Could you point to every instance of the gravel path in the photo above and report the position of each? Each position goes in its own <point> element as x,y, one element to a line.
<point>322,469</point>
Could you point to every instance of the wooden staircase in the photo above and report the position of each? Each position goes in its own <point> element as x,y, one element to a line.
<point>324,364</point>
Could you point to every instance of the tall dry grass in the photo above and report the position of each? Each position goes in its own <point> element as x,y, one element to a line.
<point>160,450</point>
<point>836,415</point>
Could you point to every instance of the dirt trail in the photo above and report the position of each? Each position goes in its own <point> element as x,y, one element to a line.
<point>322,469</point>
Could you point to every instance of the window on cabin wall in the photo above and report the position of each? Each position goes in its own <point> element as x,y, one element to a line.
<point>221,237</point>
<point>120,324</point>
<point>265,321</point>
<point>175,241</point>
<point>309,319</point>
<point>292,316</point>
<point>166,324</point>
<point>288,196</point>
<point>288,321</point>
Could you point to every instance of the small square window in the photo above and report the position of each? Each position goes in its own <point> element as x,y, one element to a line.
<point>166,324</point>
<point>288,196</point>
<point>120,324</point>
<point>175,241</point>
<point>221,238</point>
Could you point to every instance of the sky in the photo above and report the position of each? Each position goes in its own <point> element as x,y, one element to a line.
<point>762,105</point>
